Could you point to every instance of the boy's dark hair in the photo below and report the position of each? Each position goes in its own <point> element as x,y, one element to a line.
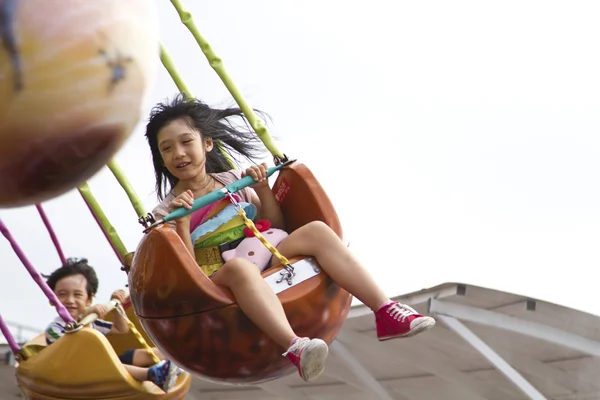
<point>212,123</point>
<point>75,266</point>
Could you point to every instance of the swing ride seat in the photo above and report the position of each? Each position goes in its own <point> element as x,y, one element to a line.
<point>198,324</point>
<point>85,365</point>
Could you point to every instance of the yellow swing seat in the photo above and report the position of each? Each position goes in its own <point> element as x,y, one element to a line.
<point>84,365</point>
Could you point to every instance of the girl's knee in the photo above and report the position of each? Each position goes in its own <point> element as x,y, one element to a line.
<point>317,228</point>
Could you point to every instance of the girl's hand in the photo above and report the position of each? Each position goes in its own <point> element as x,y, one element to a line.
<point>259,173</point>
<point>120,296</point>
<point>186,200</point>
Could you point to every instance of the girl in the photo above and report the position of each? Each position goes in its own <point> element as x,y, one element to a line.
<point>182,137</point>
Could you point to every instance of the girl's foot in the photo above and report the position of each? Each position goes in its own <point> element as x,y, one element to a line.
<point>308,355</point>
<point>396,320</point>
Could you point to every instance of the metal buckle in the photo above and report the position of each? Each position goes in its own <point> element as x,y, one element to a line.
<point>235,203</point>
<point>147,220</point>
<point>287,274</point>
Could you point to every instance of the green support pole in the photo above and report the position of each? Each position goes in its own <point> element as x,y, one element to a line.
<point>124,182</point>
<point>105,225</point>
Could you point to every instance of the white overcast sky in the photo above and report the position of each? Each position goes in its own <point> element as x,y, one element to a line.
<point>458,140</point>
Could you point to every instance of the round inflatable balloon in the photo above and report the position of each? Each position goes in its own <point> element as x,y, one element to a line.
<point>74,77</point>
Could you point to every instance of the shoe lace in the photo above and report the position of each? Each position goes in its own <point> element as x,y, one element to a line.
<point>297,346</point>
<point>400,311</point>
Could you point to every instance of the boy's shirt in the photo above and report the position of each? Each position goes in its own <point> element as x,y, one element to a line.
<point>56,328</point>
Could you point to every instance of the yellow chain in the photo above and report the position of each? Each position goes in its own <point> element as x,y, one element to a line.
<point>260,237</point>
<point>137,334</point>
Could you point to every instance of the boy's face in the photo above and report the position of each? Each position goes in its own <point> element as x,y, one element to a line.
<point>72,292</point>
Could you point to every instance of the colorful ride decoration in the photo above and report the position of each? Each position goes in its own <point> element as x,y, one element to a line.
<point>74,79</point>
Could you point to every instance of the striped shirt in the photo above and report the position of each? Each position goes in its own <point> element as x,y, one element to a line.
<point>56,328</point>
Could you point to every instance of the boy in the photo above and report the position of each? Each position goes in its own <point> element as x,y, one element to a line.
<point>75,285</point>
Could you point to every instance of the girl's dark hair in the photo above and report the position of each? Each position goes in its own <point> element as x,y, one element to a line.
<point>75,266</point>
<point>211,123</point>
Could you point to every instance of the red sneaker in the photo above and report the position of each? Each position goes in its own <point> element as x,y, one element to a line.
<point>308,355</point>
<point>397,320</point>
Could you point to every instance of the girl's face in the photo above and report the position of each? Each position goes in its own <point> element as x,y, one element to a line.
<point>183,149</point>
<point>72,292</point>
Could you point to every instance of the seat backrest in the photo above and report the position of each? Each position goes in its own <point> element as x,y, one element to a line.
<point>38,340</point>
<point>303,200</point>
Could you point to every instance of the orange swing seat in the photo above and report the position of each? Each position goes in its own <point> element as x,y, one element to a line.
<point>198,324</point>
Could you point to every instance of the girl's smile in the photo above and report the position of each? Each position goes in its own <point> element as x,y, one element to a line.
<point>183,150</point>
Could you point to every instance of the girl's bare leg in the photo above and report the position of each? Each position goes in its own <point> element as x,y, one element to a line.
<point>318,240</point>
<point>256,299</point>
